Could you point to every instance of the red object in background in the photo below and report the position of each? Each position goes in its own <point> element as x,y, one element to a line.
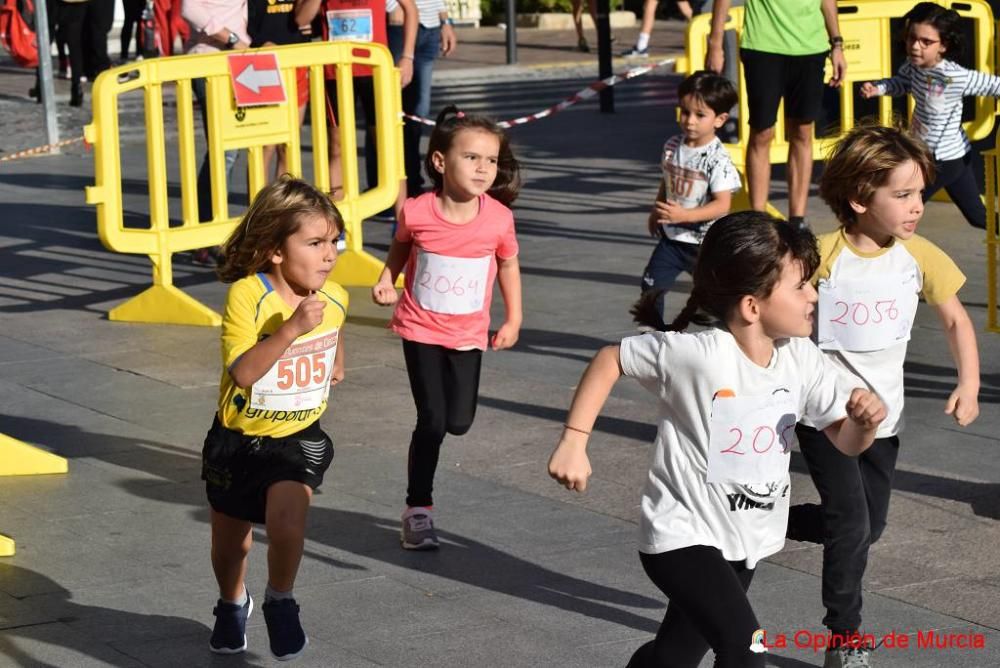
<point>17,31</point>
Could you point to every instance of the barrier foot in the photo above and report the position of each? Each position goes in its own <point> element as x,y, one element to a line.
<point>741,202</point>
<point>17,458</point>
<point>6,546</point>
<point>357,268</point>
<point>166,305</point>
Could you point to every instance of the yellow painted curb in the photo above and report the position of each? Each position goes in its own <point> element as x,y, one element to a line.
<point>17,458</point>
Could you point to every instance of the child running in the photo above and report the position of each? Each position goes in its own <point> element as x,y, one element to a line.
<point>697,185</point>
<point>265,452</point>
<point>454,241</point>
<point>871,274</point>
<point>938,85</point>
<point>716,499</point>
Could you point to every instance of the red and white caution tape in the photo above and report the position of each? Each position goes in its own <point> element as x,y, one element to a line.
<point>585,94</point>
<point>39,149</point>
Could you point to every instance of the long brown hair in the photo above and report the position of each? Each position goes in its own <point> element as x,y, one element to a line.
<point>274,215</point>
<point>449,123</point>
<point>742,254</point>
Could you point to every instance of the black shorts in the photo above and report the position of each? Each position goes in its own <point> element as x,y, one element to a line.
<point>238,469</point>
<point>772,76</point>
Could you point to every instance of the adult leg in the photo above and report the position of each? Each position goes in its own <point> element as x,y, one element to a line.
<point>708,609</point>
<point>100,16</point>
<point>205,213</point>
<point>231,541</point>
<point>285,521</point>
<point>426,368</point>
<point>800,164</point>
<point>71,17</point>
<point>843,523</point>
<point>764,74</point>
<point>333,137</point>
<point>131,24</point>
<point>364,92</point>
<point>417,101</point>
<point>803,93</point>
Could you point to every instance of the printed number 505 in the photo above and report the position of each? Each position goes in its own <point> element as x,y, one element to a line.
<point>301,371</point>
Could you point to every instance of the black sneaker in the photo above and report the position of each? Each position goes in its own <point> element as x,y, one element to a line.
<point>230,633</point>
<point>288,640</point>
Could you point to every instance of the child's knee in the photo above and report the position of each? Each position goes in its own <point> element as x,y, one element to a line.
<point>459,427</point>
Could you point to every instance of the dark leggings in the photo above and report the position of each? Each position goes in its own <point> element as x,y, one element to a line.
<point>959,181</point>
<point>445,386</point>
<point>131,25</point>
<point>71,17</point>
<point>708,609</point>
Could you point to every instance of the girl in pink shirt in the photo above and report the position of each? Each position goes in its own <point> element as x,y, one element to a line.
<point>454,241</point>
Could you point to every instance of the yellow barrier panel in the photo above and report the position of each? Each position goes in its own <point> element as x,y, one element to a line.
<point>231,128</point>
<point>991,159</point>
<point>868,40</point>
<point>18,458</point>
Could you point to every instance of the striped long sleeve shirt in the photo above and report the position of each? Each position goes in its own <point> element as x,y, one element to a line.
<point>937,93</point>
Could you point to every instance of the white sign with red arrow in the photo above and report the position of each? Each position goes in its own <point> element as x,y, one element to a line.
<point>256,79</point>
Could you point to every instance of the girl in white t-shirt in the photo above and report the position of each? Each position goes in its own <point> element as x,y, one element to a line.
<point>455,241</point>
<point>716,498</point>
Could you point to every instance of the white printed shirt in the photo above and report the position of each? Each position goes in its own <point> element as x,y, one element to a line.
<point>690,176</point>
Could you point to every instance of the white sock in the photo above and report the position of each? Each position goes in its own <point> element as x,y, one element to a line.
<point>242,600</point>
<point>275,595</point>
<point>642,42</point>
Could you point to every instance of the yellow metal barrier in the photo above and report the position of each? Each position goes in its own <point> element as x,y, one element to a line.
<point>991,159</point>
<point>230,128</point>
<point>18,458</point>
<point>868,44</point>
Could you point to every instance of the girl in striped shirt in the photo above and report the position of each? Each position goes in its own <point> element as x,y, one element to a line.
<point>938,85</point>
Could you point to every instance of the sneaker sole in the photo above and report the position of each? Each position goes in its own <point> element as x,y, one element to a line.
<point>295,655</point>
<point>234,650</point>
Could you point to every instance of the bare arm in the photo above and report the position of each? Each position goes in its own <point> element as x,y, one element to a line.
<point>829,9</point>
<point>569,464</point>
<point>509,277</point>
<point>384,291</point>
<point>715,59</point>
<point>306,11</point>
<point>673,213</point>
<point>963,403</point>
<point>855,433</point>
<point>410,24</point>
<point>254,363</point>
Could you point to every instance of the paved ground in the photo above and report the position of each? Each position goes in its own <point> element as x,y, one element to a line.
<point>112,564</point>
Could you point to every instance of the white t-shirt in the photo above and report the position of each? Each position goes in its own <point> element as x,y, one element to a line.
<point>915,266</point>
<point>690,176</point>
<point>687,372</point>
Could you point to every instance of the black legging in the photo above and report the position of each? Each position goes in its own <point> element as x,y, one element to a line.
<point>708,609</point>
<point>959,181</point>
<point>445,386</point>
<point>71,18</point>
<point>131,25</point>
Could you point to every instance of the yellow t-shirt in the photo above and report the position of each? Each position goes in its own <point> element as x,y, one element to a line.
<point>254,311</point>
<point>915,266</point>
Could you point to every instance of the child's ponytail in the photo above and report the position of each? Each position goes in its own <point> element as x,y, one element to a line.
<point>449,123</point>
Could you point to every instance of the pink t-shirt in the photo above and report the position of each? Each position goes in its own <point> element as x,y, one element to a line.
<point>450,272</point>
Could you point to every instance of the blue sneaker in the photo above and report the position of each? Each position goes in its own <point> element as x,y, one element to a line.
<point>288,640</point>
<point>230,633</point>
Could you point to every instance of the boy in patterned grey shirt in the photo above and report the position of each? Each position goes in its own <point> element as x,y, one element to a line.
<point>697,185</point>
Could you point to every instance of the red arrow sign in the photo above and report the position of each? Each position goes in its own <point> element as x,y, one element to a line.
<point>256,79</point>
